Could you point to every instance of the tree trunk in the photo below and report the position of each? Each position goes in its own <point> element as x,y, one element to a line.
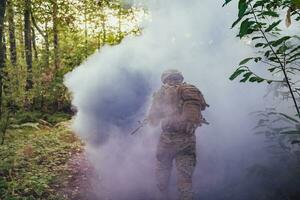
<point>99,41</point>
<point>103,23</point>
<point>28,42</point>
<point>34,44</point>
<point>46,40</point>
<point>55,35</point>
<point>12,35</point>
<point>47,46</point>
<point>21,38</point>
<point>119,23</point>
<point>2,53</point>
<point>103,20</point>
<point>85,30</point>
<point>4,47</point>
<point>103,26</point>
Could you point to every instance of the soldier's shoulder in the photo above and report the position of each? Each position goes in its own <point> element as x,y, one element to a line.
<point>158,92</point>
<point>188,85</point>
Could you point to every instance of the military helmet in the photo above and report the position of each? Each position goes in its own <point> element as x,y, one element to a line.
<point>171,74</point>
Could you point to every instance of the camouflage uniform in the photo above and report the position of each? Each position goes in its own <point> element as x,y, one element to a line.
<point>173,144</point>
<point>182,148</point>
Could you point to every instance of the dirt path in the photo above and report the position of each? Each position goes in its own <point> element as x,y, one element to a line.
<point>79,185</point>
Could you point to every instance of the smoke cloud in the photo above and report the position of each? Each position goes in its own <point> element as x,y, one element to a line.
<point>112,90</point>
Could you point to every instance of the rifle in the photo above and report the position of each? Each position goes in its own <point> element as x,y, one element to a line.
<point>203,121</point>
<point>141,124</point>
<point>145,122</point>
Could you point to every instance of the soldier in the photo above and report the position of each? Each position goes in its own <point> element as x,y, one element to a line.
<point>177,107</point>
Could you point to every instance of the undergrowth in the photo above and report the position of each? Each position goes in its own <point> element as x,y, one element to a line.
<point>33,162</point>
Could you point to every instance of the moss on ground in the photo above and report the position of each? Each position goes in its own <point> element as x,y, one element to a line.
<point>33,161</point>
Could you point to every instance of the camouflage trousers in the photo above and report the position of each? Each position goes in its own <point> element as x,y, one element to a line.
<point>181,148</point>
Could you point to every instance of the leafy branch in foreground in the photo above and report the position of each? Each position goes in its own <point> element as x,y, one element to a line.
<point>259,23</point>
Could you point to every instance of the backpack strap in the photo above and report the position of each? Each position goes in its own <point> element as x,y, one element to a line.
<point>180,98</point>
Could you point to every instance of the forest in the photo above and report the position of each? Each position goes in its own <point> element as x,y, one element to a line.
<point>43,41</point>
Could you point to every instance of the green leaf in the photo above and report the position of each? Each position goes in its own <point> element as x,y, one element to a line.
<point>295,49</point>
<point>257,59</point>
<point>282,49</point>
<point>242,8</point>
<point>256,79</point>
<point>246,77</point>
<point>292,60</point>
<point>294,56</point>
<point>259,44</point>
<point>226,2</point>
<point>275,43</point>
<point>273,59</point>
<point>258,3</point>
<point>237,73</point>
<point>259,80</point>
<point>267,53</point>
<point>257,37</point>
<point>245,61</point>
<point>252,79</point>
<point>272,69</point>
<point>273,25</point>
<point>246,28</point>
<point>240,18</point>
<point>270,13</point>
<point>236,22</point>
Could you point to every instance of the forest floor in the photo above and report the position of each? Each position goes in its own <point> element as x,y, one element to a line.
<point>79,185</point>
<point>40,161</point>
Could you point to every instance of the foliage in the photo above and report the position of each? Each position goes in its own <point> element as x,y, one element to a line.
<point>259,23</point>
<point>81,28</point>
<point>36,116</point>
<point>33,162</point>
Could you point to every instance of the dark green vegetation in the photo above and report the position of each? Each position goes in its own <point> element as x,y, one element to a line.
<point>33,161</point>
<point>264,24</point>
<point>40,41</point>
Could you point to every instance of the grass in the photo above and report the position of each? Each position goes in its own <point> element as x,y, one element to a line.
<point>33,162</point>
<point>35,116</point>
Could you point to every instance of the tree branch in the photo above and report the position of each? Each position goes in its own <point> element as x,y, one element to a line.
<point>37,27</point>
<point>282,66</point>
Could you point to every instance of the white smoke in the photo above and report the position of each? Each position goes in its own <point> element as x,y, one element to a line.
<point>113,89</point>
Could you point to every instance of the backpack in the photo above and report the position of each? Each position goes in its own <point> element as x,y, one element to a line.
<point>182,105</point>
<point>191,103</point>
